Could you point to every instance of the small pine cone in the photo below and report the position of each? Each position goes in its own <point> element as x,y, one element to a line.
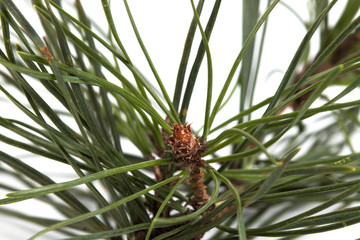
<point>187,150</point>
<point>185,146</point>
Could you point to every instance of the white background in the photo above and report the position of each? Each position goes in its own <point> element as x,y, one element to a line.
<point>163,26</point>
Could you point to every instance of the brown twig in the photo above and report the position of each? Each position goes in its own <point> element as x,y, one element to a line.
<point>46,53</point>
<point>350,45</point>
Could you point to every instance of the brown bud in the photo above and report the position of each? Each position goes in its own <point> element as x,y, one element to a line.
<point>185,146</point>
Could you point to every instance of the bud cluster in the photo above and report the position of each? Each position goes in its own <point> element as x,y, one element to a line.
<point>185,146</point>
<point>187,151</point>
